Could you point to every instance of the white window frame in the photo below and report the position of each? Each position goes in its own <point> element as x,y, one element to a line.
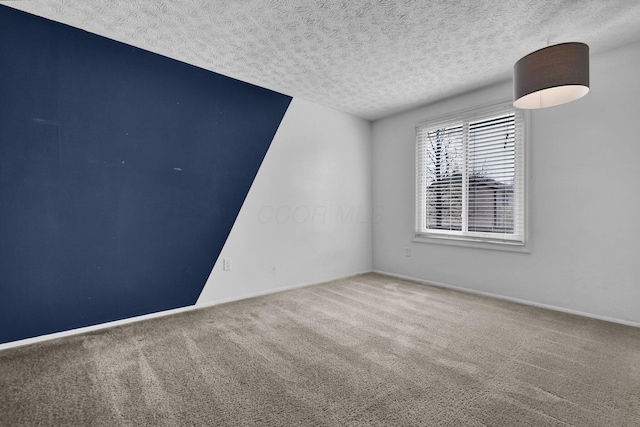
<point>519,240</point>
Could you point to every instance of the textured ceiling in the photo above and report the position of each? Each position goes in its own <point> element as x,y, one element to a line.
<point>369,58</point>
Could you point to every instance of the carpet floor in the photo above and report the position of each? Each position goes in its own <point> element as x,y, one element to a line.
<point>370,350</point>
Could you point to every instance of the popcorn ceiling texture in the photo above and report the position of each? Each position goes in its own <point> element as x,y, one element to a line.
<point>367,58</point>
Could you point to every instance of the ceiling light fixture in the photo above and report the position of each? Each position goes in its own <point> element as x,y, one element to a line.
<point>551,76</point>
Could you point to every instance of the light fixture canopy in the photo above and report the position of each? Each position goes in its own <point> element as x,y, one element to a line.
<point>551,76</point>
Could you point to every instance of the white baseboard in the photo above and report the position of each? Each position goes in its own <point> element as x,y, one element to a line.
<point>106,325</point>
<point>274,290</point>
<point>92,328</point>
<point>518,300</point>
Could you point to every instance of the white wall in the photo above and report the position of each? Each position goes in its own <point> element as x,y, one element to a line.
<point>584,201</point>
<point>307,217</point>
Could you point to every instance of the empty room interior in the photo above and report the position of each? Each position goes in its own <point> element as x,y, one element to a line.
<point>319,213</point>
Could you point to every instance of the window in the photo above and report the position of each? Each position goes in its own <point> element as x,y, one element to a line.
<point>470,177</point>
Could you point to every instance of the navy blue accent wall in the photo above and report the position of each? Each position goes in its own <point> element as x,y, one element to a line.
<point>121,175</point>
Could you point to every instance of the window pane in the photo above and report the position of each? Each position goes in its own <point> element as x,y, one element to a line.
<point>491,175</point>
<point>445,162</point>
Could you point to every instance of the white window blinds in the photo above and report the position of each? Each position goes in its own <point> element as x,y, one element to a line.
<point>470,176</point>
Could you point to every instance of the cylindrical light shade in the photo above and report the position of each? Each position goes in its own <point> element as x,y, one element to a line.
<point>551,76</point>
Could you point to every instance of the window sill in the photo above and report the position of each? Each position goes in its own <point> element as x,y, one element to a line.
<point>473,243</point>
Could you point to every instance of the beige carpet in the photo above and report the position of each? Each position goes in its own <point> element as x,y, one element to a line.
<point>366,351</point>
